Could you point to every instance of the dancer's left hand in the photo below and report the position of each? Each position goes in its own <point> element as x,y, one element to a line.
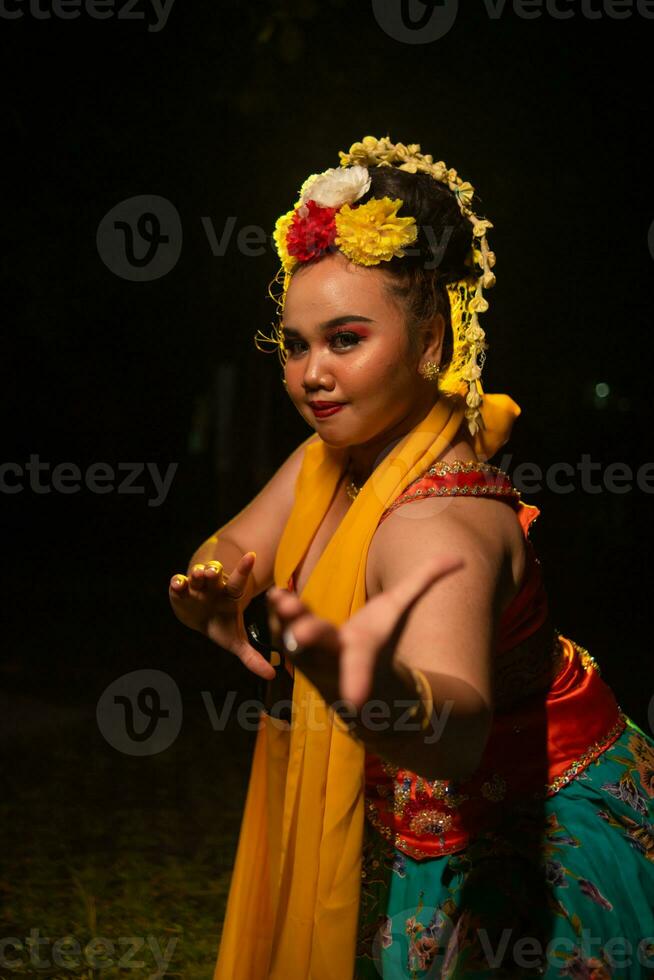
<point>341,661</point>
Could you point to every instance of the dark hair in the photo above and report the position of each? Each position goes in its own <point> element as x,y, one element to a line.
<point>438,256</point>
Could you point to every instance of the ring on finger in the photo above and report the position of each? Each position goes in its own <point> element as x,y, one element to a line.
<point>289,640</point>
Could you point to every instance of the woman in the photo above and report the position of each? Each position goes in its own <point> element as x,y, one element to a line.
<point>456,792</point>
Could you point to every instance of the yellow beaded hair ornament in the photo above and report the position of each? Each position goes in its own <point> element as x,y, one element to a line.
<point>326,216</point>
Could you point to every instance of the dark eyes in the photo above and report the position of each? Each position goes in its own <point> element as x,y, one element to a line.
<point>350,339</point>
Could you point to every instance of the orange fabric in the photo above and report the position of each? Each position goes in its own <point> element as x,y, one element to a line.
<point>530,747</point>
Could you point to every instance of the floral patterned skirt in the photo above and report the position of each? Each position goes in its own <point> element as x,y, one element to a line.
<point>564,889</point>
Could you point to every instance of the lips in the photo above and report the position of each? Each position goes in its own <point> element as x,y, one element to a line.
<point>323,409</point>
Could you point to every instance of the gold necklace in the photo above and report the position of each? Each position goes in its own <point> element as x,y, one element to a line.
<point>352,489</point>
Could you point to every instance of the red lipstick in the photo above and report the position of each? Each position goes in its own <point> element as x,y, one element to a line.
<point>324,409</point>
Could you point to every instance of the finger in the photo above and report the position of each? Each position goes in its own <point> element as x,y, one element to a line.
<point>213,572</point>
<point>298,627</point>
<point>255,662</point>
<point>178,585</point>
<point>357,666</point>
<point>196,578</point>
<point>378,620</point>
<point>276,622</point>
<point>235,583</point>
<point>309,633</point>
<point>382,613</point>
<point>425,574</point>
<point>287,605</point>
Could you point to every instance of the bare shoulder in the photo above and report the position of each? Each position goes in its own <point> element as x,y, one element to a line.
<point>486,532</point>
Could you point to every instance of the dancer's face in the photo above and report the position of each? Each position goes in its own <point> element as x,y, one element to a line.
<point>347,341</point>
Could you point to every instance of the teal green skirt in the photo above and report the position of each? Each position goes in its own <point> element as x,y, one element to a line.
<point>564,889</point>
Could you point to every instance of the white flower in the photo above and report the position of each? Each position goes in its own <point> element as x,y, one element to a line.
<point>336,186</point>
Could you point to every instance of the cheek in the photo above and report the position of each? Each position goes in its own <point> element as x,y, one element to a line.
<point>383,366</point>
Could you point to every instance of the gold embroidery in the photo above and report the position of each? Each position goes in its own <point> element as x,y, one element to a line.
<point>494,789</point>
<point>587,757</point>
<point>430,822</point>
<point>441,467</point>
<point>588,662</point>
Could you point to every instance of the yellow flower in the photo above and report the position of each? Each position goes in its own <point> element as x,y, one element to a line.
<point>279,235</point>
<point>480,228</point>
<point>465,192</point>
<point>478,304</point>
<point>438,170</point>
<point>373,233</point>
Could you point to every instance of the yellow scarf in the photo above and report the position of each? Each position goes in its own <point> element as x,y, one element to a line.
<point>293,905</point>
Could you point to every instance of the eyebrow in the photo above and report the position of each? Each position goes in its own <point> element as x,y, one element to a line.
<point>336,321</point>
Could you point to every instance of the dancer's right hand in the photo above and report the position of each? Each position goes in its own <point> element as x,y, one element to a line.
<point>209,601</point>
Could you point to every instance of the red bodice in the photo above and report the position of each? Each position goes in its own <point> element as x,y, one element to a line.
<point>535,746</point>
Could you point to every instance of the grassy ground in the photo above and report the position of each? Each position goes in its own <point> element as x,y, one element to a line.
<point>100,845</point>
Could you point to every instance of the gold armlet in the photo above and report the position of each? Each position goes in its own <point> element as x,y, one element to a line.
<point>409,718</point>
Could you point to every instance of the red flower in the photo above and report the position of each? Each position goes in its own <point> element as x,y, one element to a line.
<point>309,237</point>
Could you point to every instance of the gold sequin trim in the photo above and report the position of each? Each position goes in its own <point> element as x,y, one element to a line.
<point>588,662</point>
<point>584,760</point>
<point>441,468</point>
<point>476,491</point>
<point>430,822</point>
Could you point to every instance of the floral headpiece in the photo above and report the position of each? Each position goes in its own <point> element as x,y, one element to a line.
<point>326,216</point>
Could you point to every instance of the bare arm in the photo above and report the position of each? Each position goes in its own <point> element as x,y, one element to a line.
<point>258,527</point>
<point>449,634</point>
<point>234,565</point>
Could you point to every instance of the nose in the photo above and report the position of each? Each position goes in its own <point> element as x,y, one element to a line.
<point>316,373</point>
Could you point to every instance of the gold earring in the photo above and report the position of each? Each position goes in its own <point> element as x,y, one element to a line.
<point>430,370</point>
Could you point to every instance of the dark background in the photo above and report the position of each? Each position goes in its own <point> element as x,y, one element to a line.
<point>224,112</point>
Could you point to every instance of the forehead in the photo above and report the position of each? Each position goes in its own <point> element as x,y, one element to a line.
<point>334,285</point>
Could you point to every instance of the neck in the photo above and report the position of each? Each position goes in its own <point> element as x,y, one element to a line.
<point>364,458</point>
